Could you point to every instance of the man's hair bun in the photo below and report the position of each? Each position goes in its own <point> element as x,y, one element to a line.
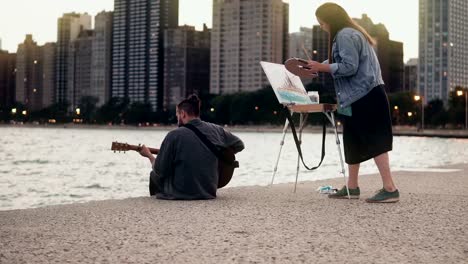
<point>193,98</point>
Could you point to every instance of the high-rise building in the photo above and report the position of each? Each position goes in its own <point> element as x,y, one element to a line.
<point>7,79</point>
<point>35,74</point>
<point>389,53</point>
<point>101,59</point>
<point>70,26</point>
<point>79,68</point>
<point>285,31</point>
<point>186,63</point>
<point>244,33</point>
<point>443,57</point>
<point>411,76</point>
<point>48,74</point>
<point>300,41</point>
<point>29,74</point>
<point>138,48</point>
<point>320,53</point>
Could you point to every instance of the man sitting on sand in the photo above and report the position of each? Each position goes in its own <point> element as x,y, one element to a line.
<point>185,168</point>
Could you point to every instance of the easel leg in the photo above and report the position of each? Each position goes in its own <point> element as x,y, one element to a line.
<point>302,122</point>
<point>331,118</point>
<point>286,124</point>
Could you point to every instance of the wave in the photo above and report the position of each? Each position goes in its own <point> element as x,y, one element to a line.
<point>32,190</point>
<point>94,186</point>
<point>77,196</point>
<point>36,161</point>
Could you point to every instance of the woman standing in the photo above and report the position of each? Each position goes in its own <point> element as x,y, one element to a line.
<point>367,127</point>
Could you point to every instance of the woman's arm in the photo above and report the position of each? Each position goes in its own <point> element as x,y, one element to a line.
<point>316,66</point>
<point>349,47</point>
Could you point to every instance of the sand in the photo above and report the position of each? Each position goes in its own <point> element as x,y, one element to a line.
<point>253,225</point>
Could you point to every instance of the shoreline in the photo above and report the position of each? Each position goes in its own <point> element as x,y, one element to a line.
<point>397,130</point>
<point>253,224</point>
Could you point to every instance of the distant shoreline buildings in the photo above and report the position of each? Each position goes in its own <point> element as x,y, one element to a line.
<point>7,79</point>
<point>244,33</point>
<point>443,42</point>
<point>186,63</point>
<point>139,52</point>
<point>410,80</point>
<point>138,49</point>
<point>69,28</point>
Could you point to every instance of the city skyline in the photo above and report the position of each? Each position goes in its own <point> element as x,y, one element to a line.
<point>43,25</point>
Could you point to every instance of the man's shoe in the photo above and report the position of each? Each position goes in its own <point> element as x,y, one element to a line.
<point>383,196</point>
<point>343,194</point>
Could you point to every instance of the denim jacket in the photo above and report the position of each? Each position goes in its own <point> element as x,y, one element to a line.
<point>355,68</point>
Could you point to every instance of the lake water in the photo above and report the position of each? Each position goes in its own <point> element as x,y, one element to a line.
<point>46,166</point>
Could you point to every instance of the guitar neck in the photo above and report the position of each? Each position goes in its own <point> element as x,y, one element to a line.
<point>138,149</point>
<point>117,146</point>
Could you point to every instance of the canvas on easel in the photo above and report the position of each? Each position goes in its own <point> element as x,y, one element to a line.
<point>288,87</point>
<point>290,92</point>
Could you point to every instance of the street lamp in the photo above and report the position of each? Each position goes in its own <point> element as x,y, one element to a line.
<point>460,93</point>
<point>396,114</point>
<point>417,98</point>
<point>77,111</point>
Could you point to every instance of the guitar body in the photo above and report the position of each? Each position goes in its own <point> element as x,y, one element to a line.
<point>226,167</point>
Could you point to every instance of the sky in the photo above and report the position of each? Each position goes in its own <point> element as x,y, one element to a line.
<point>39,17</point>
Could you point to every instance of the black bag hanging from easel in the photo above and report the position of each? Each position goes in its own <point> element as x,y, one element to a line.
<point>298,143</point>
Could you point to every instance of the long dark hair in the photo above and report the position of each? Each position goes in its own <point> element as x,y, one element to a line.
<point>191,105</point>
<point>335,16</point>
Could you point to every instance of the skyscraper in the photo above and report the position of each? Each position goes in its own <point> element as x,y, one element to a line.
<point>411,76</point>
<point>187,63</point>
<point>7,79</point>
<point>389,53</point>
<point>101,59</point>
<point>244,33</point>
<point>29,74</point>
<point>443,56</point>
<point>69,27</point>
<point>48,73</point>
<point>320,53</point>
<point>298,41</point>
<point>138,50</point>
<point>79,68</point>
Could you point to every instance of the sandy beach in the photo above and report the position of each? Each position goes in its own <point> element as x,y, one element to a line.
<point>253,225</point>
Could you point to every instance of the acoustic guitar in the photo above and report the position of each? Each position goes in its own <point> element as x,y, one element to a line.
<point>226,164</point>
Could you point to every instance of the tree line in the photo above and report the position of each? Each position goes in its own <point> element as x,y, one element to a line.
<point>245,108</point>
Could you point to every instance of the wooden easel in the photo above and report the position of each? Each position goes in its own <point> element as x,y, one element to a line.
<point>304,111</point>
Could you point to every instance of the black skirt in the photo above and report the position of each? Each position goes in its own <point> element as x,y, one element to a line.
<point>368,132</point>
